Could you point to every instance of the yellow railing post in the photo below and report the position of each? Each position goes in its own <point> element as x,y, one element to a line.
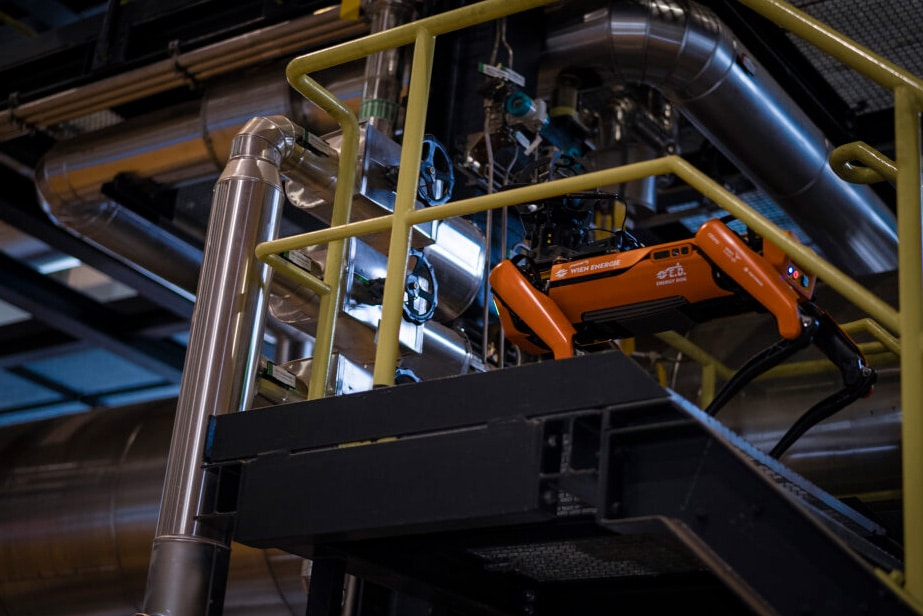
<point>908,91</point>
<point>910,251</point>
<point>408,177</point>
<point>707,388</point>
<point>342,204</point>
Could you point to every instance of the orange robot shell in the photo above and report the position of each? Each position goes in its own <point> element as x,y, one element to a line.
<point>522,339</point>
<point>796,277</point>
<point>768,286</point>
<point>534,309</point>
<point>675,269</point>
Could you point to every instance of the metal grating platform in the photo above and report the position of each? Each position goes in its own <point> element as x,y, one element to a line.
<point>559,488</point>
<point>598,558</point>
<point>890,28</point>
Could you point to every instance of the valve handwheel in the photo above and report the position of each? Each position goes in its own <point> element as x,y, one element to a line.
<point>437,179</point>
<point>419,289</point>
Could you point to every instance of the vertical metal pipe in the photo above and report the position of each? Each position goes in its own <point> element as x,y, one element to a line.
<point>910,280</point>
<point>189,560</point>
<point>414,128</point>
<point>381,96</point>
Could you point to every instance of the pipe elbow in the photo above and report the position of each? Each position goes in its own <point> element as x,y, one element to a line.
<point>260,149</point>
<point>679,47</point>
<point>65,206</point>
<point>676,46</point>
<point>271,138</point>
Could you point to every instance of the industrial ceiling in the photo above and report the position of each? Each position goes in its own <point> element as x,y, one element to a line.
<point>80,328</point>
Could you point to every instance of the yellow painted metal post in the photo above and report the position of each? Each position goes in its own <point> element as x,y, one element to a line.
<point>407,180</point>
<point>707,391</point>
<point>910,252</point>
<point>342,203</point>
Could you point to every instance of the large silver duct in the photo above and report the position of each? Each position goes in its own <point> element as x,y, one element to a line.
<point>686,52</point>
<point>170,147</point>
<point>79,497</point>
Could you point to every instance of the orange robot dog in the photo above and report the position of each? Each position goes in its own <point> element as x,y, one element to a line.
<point>597,294</point>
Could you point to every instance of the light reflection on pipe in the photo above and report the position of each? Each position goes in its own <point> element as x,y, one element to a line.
<point>852,451</point>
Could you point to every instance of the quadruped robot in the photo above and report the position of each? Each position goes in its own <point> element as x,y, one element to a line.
<point>572,293</point>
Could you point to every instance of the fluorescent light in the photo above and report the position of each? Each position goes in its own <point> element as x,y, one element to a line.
<point>58,263</point>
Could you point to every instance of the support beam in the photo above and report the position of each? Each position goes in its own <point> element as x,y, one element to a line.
<point>75,314</point>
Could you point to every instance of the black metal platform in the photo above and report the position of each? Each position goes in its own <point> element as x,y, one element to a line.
<point>568,487</point>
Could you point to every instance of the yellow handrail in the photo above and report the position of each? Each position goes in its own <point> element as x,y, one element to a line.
<point>910,282</point>
<point>876,167</point>
<point>422,33</point>
<point>908,103</point>
<point>906,172</point>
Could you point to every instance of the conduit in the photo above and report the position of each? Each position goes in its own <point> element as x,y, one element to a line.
<point>227,326</point>
<point>278,41</point>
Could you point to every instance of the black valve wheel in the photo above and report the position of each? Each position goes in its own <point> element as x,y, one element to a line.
<point>403,376</point>
<point>437,179</point>
<point>420,289</point>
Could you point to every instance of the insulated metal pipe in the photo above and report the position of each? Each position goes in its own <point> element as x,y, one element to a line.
<point>277,41</point>
<point>189,557</point>
<point>684,50</point>
<point>381,97</point>
<point>79,497</point>
<point>170,147</point>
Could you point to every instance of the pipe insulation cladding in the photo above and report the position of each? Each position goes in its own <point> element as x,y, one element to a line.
<point>173,146</point>
<point>686,52</point>
<point>79,497</point>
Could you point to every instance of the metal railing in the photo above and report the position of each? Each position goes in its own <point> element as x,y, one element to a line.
<point>906,323</point>
<point>906,173</point>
